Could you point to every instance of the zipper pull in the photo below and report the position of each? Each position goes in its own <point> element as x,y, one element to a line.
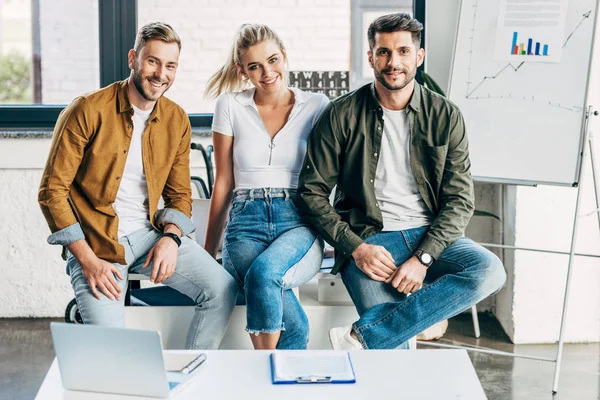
<point>271,146</point>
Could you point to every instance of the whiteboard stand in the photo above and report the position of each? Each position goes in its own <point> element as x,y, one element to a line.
<point>595,175</point>
<point>588,150</point>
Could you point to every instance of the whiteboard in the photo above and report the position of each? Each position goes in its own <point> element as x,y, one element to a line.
<point>525,119</point>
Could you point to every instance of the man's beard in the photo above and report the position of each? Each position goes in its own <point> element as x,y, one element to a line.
<point>409,75</point>
<point>138,83</point>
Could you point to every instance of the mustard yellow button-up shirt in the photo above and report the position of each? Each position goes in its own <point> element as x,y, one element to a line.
<point>87,158</point>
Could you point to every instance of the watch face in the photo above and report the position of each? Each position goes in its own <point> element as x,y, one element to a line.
<point>426,258</point>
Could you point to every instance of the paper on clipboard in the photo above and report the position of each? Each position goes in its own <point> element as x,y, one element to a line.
<point>311,367</point>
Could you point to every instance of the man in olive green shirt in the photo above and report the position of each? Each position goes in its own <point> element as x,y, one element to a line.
<point>398,154</point>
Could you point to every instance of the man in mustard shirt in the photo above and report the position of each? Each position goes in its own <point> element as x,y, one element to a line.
<point>114,153</point>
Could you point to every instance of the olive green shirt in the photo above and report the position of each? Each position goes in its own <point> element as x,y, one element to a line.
<point>343,150</point>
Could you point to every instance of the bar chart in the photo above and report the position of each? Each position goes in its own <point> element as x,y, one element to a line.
<point>529,48</point>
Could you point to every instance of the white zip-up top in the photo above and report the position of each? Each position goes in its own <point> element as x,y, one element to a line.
<point>259,161</point>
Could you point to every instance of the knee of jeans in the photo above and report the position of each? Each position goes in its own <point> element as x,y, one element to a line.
<point>495,275</point>
<point>224,290</point>
<point>262,275</point>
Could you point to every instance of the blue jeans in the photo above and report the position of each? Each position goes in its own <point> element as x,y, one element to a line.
<point>197,275</point>
<point>464,274</point>
<point>269,249</point>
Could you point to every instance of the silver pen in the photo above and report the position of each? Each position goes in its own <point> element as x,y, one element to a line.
<point>195,363</point>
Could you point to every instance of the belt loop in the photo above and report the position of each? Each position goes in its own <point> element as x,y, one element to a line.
<point>286,194</point>
<point>267,193</point>
<point>251,194</point>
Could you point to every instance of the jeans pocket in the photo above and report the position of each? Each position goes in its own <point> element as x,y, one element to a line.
<point>237,207</point>
<point>407,239</point>
<point>413,237</point>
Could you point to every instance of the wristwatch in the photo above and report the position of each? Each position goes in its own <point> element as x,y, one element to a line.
<point>425,258</point>
<point>174,237</point>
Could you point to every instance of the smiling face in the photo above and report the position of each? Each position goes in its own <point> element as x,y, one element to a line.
<point>394,59</point>
<point>264,65</point>
<point>153,69</point>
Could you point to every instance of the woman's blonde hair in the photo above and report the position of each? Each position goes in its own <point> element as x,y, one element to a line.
<point>226,79</point>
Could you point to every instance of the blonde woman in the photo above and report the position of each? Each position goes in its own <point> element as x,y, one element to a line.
<point>259,136</point>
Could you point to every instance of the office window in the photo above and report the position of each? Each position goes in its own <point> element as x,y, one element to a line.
<point>48,50</point>
<point>363,13</point>
<point>317,37</point>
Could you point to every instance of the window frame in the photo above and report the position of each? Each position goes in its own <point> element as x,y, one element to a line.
<point>118,28</point>
<point>358,58</point>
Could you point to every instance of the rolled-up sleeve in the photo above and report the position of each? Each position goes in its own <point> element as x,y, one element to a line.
<point>170,216</point>
<point>67,235</point>
<point>177,192</point>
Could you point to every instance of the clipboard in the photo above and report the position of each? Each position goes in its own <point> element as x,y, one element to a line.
<point>325,367</point>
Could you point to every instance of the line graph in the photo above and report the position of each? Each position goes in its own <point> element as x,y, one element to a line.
<point>473,89</point>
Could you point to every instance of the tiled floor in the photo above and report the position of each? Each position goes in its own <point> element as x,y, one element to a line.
<point>26,353</point>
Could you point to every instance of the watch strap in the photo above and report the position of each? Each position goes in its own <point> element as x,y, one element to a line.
<point>419,253</point>
<point>173,236</point>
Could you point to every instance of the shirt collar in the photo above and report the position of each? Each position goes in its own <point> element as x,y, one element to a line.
<point>414,102</point>
<point>415,99</point>
<point>125,104</point>
<point>246,98</point>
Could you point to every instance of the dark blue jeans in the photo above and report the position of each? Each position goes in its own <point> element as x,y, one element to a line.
<point>464,274</point>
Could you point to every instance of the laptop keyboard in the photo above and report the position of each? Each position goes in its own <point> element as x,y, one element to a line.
<point>173,385</point>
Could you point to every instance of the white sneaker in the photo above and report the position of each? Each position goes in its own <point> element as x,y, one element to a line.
<point>412,343</point>
<point>341,339</point>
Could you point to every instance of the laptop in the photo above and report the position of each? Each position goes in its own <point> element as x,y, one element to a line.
<point>102,359</point>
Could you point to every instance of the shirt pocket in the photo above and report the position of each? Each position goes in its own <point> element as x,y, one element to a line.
<point>436,161</point>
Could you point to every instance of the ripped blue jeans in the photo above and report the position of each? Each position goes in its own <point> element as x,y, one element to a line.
<point>269,249</point>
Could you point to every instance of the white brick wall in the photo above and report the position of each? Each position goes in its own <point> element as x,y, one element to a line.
<point>34,281</point>
<point>70,51</point>
<point>315,33</point>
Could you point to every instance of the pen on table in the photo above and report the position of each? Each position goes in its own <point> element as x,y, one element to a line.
<point>194,364</point>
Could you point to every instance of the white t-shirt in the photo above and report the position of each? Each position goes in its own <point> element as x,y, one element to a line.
<point>131,204</point>
<point>400,202</point>
<point>259,161</point>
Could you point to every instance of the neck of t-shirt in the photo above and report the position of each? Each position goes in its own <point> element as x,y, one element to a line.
<point>140,111</point>
<point>394,111</point>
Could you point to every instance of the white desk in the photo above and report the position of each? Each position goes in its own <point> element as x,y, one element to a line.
<point>380,374</point>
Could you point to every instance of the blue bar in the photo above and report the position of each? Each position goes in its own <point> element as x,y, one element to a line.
<point>529,44</point>
<point>514,43</point>
<point>545,50</point>
<point>537,48</point>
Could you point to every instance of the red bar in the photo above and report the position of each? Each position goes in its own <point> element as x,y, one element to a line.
<point>516,50</point>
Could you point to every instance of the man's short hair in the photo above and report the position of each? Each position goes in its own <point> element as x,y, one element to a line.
<point>156,31</point>
<point>395,23</point>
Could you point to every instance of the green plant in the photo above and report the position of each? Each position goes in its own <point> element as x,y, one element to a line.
<point>15,79</point>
